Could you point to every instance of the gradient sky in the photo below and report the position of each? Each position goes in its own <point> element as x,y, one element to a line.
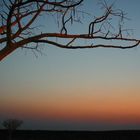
<point>91,89</point>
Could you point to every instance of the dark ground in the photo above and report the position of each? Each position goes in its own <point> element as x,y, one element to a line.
<point>71,135</point>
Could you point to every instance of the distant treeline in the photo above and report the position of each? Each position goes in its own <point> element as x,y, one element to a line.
<point>70,135</point>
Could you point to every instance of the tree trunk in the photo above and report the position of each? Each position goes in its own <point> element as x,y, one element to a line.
<point>10,134</point>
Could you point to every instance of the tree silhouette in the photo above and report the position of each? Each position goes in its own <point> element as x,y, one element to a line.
<point>18,18</point>
<point>11,125</point>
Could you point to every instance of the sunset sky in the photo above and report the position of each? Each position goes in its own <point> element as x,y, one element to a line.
<point>90,89</point>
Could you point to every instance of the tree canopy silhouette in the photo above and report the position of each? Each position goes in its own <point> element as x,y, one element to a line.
<point>18,18</point>
<point>12,124</point>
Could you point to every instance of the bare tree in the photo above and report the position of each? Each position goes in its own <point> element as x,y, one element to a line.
<point>18,18</point>
<point>11,125</point>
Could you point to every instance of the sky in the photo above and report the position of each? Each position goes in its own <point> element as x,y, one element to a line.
<point>90,89</point>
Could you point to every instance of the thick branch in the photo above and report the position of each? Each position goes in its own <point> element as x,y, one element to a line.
<point>90,46</point>
<point>6,51</point>
<point>80,36</point>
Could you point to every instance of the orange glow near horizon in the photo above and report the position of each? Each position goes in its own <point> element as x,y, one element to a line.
<point>115,108</point>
